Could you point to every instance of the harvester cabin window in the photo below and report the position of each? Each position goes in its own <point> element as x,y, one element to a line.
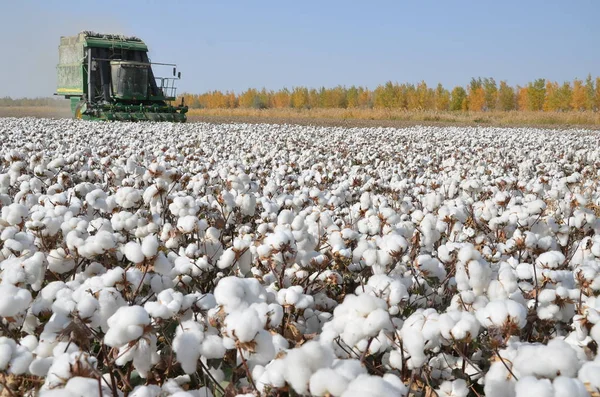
<point>129,80</point>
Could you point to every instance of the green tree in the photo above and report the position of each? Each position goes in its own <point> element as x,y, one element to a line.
<point>589,92</point>
<point>457,97</point>
<point>490,93</point>
<point>579,97</point>
<point>299,98</point>
<point>506,97</point>
<point>352,97</point>
<point>441,98</point>
<point>536,93</point>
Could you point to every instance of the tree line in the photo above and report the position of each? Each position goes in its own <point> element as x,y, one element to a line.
<point>481,94</point>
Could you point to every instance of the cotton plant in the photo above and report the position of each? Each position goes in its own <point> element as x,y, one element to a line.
<point>321,262</point>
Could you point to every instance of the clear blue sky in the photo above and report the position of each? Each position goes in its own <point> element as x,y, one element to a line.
<point>234,45</point>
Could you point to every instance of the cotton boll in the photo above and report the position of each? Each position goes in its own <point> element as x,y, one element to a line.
<point>244,325</point>
<point>81,386</point>
<point>187,345</point>
<point>420,331</point>
<point>149,246</point>
<point>588,374</point>
<point>59,261</point>
<point>227,259</point>
<point>187,224</point>
<point>567,387</point>
<point>27,270</point>
<point>13,300</point>
<point>247,204</point>
<point>294,296</point>
<point>127,197</point>
<point>14,214</point>
<point>455,325</point>
<point>376,321</point>
<point>550,259</point>
<point>212,347</point>
<point>133,252</point>
<point>62,367</point>
<point>146,391</point>
<point>531,386</point>
<point>168,303</point>
<point>457,388</point>
<point>235,293</point>
<point>372,386</point>
<point>303,362</point>
<point>501,312</point>
<point>327,381</point>
<point>126,325</point>
<point>548,361</point>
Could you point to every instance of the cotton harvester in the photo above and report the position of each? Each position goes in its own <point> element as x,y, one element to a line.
<point>110,77</point>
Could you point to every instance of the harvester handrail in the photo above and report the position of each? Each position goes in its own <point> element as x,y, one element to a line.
<point>126,60</point>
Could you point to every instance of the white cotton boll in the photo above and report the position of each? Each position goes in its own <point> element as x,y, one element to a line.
<point>187,343</point>
<point>376,321</point>
<point>501,312</point>
<point>150,246</point>
<point>212,347</point>
<point>248,204</point>
<point>294,296</point>
<point>97,199</point>
<point>326,381</point>
<point>61,370</point>
<point>588,374</point>
<point>133,252</point>
<point>456,388</point>
<point>162,265</point>
<point>455,325</point>
<point>126,325</point>
<point>431,267</point>
<point>302,362</point>
<point>188,224</point>
<point>127,197</point>
<point>396,359</point>
<point>146,391</point>
<point>58,393</point>
<point>547,361</point>
<point>7,346</point>
<point>59,261</point>
<point>569,387</point>
<point>421,330</point>
<point>365,201</point>
<point>370,257</point>
<point>82,387</point>
<point>227,259</point>
<point>285,217</point>
<point>235,293</point>
<point>14,214</point>
<point>479,275</point>
<point>13,300</point>
<point>263,251</point>
<point>244,325</point>
<point>372,386</point>
<point>531,386</point>
<point>167,305</point>
<point>550,259</point>
<point>40,366</point>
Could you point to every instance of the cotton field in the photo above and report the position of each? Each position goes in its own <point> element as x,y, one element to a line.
<point>150,260</point>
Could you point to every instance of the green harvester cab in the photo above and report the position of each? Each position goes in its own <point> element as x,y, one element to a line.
<point>110,77</point>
